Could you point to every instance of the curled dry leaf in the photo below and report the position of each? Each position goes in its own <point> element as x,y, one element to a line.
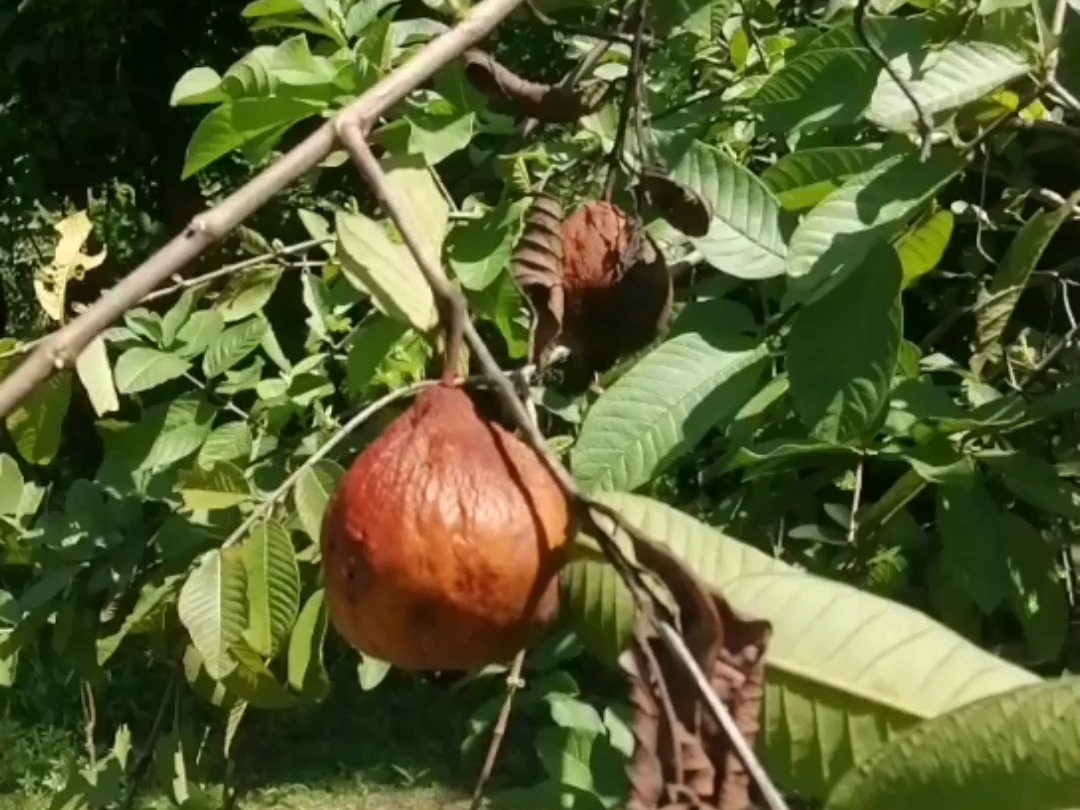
<point>537,268</point>
<point>548,103</point>
<point>683,758</point>
<point>616,286</point>
<point>681,206</point>
<point>441,545</point>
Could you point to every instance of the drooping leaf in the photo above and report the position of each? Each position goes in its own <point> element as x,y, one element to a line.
<point>233,345</point>
<point>846,670</point>
<point>213,609</point>
<point>601,612</point>
<point>140,369</point>
<point>802,179</point>
<point>307,674</point>
<point>1019,748</point>
<point>312,493</point>
<point>921,247</point>
<point>971,534</point>
<point>36,424</point>
<point>839,233</point>
<point>744,238</point>
<point>95,374</point>
<point>11,485</point>
<point>663,406</point>
<point>386,271</point>
<point>995,306</point>
<point>371,672</point>
<point>843,348</point>
<point>220,487</point>
<point>947,79</point>
<point>273,591</point>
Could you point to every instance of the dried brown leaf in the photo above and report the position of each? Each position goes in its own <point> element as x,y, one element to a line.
<point>536,266</point>
<point>681,206</point>
<point>684,757</point>
<point>547,103</point>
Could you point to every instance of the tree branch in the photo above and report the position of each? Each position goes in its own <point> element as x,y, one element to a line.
<point>60,349</point>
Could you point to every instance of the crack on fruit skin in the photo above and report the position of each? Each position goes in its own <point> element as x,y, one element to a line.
<point>443,540</point>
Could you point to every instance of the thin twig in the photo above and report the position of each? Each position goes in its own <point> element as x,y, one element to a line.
<point>630,101</point>
<point>856,502</point>
<point>60,349</point>
<point>513,683</point>
<point>924,124</point>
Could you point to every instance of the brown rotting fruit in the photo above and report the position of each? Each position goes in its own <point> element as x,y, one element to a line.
<point>442,543</point>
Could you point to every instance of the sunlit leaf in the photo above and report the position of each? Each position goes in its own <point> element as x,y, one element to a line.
<point>273,591</point>
<point>307,674</point>
<point>213,609</point>
<point>221,487</point>
<point>141,369</point>
<point>921,247</point>
<point>233,345</point>
<point>312,493</point>
<point>803,179</point>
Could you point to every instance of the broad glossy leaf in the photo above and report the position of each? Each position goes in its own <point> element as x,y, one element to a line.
<point>233,345</point>
<point>479,250</point>
<point>744,238</point>
<point>273,591</point>
<point>141,369</point>
<point>386,271</point>
<point>221,487</point>
<point>996,304</point>
<point>843,348</point>
<point>199,85</point>
<point>868,209</point>
<point>846,670</point>
<point>663,406</point>
<point>37,423</point>
<point>226,442</point>
<point>946,79</point>
<point>201,330</point>
<point>95,374</point>
<point>599,609</point>
<point>307,674</point>
<point>1016,749</point>
<point>1037,593</point>
<point>213,609</point>
<point>921,247</point>
<point>312,493</point>
<point>803,179</point>
<point>11,485</point>
<point>971,534</point>
<point>236,123</point>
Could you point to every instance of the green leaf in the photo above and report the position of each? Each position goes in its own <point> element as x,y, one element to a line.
<point>846,670</point>
<point>974,548</point>
<point>212,608</point>
<point>95,374</point>
<point>253,682</point>
<point>801,180</point>
<point>273,587</point>
<point>744,238</point>
<point>176,317</point>
<point>199,85</point>
<point>1017,749</point>
<point>838,235</point>
<point>1035,481</point>
<point>480,249</point>
<point>11,485</point>
<point>995,306</point>
<point>843,348</point>
<point>1037,594</point>
<point>946,79</point>
<point>226,443</point>
<point>663,406</point>
<point>312,493</point>
<point>386,271</point>
<point>234,344</point>
<point>307,675</point>
<point>370,345</point>
<point>247,293</point>
<point>438,129</point>
<point>221,487</point>
<point>201,330</point>
<point>236,123</point>
<point>598,608</point>
<point>371,672</point>
<point>141,369</point>
<point>921,247</point>
<point>36,424</point>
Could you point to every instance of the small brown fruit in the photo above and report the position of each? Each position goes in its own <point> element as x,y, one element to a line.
<point>616,286</point>
<point>442,543</point>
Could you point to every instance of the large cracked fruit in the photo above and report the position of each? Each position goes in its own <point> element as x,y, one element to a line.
<point>616,286</point>
<point>441,546</point>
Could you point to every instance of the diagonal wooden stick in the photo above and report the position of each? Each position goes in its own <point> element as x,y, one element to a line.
<point>60,349</point>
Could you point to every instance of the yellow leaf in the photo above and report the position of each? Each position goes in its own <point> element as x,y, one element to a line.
<point>69,261</point>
